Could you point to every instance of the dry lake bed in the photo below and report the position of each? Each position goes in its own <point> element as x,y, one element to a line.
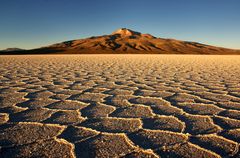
<point>119,106</point>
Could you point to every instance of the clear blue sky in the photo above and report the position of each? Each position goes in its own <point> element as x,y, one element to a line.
<point>34,23</point>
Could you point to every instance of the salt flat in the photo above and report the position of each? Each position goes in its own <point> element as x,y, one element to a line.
<point>119,106</point>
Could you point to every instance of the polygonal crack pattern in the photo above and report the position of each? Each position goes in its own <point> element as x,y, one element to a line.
<point>125,106</point>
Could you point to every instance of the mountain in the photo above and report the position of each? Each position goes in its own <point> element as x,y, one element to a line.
<point>126,41</point>
<point>11,50</point>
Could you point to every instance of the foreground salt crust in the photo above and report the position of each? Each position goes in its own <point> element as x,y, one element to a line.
<point>119,106</point>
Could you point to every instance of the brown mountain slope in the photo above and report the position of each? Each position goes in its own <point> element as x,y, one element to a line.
<point>128,41</point>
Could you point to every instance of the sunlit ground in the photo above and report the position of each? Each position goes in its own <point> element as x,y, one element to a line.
<point>119,106</point>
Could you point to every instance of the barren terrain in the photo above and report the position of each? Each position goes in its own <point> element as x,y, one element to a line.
<point>119,106</point>
<point>125,41</point>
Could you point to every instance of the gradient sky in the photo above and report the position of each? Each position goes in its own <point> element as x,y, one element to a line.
<point>35,23</point>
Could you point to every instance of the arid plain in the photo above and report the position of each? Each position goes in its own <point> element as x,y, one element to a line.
<point>120,106</point>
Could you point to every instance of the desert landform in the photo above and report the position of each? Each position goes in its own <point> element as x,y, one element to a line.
<point>125,41</point>
<point>128,106</point>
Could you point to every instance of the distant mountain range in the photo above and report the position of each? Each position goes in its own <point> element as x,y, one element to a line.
<point>12,49</point>
<point>126,41</point>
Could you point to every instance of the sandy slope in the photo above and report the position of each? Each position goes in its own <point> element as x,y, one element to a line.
<point>119,106</point>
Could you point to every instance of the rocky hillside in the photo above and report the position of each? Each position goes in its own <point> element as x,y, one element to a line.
<point>130,42</point>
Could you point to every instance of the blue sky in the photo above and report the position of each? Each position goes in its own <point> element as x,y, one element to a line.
<point>35,23</point>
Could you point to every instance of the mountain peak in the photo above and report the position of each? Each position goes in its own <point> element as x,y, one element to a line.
<point>126,32</point>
